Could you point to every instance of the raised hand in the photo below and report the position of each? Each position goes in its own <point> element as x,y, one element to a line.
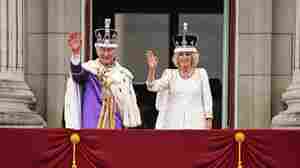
<point>74,42</point>
<point>152,59</point>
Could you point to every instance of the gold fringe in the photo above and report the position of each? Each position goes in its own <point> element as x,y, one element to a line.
<point>107,113</point>
<point>112,112</point>
<point>102,111</point>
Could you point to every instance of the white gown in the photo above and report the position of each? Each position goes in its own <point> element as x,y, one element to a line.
<point>182,103</point>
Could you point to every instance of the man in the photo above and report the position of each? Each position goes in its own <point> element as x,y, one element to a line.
<point>106,98</point>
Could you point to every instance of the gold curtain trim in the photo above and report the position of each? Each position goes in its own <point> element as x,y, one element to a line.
<point>75,139</point>
<point>240,138</point>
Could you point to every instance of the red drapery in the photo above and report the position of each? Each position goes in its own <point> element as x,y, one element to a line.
<point>149,148</point>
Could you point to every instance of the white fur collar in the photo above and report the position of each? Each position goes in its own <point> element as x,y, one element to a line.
<point>94,65</point>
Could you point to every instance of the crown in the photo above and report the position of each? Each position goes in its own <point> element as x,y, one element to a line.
<point>106,37</point>
<point>185,42</point>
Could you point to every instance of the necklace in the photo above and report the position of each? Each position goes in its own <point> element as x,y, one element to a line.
<point>186,75</point>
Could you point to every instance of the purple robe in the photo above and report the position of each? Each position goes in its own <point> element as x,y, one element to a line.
<point>91,97</point>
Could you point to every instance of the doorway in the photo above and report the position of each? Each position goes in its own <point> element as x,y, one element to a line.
<point>144,28</point>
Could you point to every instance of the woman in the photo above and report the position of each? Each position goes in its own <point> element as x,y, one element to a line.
<point>184,98</point>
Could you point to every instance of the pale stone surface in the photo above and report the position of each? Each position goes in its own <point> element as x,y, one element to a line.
<point>17,102</point>
<point>279,85</point>
<point>55,100</point>
<point>36,15</point>
<point>284,12</point>
<point>254,108</point>
<point>282,54</point>
<point>36,60</point>
<point>282,68</point>
<point>254,59</point>
<point>273,59</point>
<point>245,101</point>
<point>255,16</point>
<point>262,102</point>
<point>58,55</point>
<point>56,16</point>
<point>17,105</point>
<point>255,54</point>
<point>37,83</point>
<point>47,56</point>
<point>72,15</point>
<point>290,117</point>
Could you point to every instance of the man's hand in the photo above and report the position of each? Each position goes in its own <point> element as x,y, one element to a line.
<point>74,42</point>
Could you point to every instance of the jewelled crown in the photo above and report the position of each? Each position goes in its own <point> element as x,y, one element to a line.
<point>185,42</point>
<point>106,37</point>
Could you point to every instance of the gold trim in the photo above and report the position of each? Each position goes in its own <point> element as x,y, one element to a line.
<point>239,138</point>
<point>111,112</point>
<point>107,112</point>
<point>101,117</point>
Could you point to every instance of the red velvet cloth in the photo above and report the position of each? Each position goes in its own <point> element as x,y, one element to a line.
<point>51,148</point>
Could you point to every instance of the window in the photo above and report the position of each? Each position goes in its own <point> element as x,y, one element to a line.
<point>153,28</point>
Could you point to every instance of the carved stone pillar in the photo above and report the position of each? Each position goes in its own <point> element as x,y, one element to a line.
<point>17,101</point>
<point>290,118</point>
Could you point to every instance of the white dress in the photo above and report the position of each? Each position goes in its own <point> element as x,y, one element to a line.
<point>182,103</point>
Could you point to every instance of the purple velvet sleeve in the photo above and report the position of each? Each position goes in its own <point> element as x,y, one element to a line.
<point>79,74</point>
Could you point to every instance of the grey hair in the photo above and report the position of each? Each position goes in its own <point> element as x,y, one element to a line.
<point>195,59</point>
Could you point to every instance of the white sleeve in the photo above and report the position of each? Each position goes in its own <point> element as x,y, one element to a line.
<point>75,59</point>
<point>72,106</point>
<point>161,83</point>
<point>206,96</point>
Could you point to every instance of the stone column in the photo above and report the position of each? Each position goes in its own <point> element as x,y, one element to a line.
<point>119,26</point>
<point>290,118</point>
<point>254,42</point>
<point>17,101</point>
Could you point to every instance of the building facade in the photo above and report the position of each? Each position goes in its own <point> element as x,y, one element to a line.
<point>265,53</point>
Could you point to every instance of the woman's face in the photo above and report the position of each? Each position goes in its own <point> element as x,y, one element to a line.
<point>106,55</point>
<point>185,60</point>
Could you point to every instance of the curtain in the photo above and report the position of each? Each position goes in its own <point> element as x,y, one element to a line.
<point>52,148</point>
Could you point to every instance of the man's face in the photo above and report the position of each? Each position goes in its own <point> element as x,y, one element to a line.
<point>106,55</point>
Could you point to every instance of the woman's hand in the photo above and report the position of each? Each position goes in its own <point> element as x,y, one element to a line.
<point>152,59</point>
<point>209,123</point>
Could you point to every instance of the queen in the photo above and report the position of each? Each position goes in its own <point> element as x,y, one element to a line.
<point>184,99</point>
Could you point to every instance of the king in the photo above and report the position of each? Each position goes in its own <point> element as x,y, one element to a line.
<point>100,92</point>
